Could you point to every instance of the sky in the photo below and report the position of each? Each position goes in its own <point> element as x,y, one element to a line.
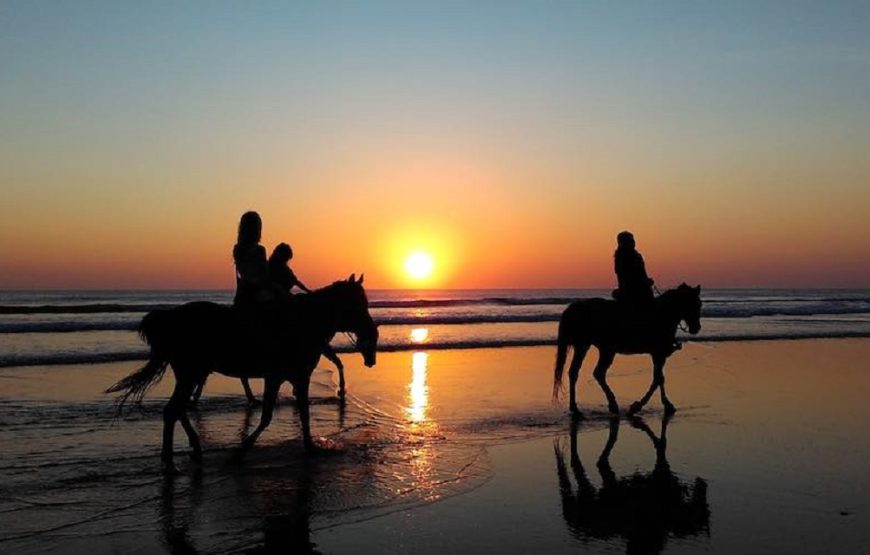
<point>511,141</point>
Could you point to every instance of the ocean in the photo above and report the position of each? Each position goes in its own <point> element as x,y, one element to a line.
<point>87,327</point>
<point>444,444</point>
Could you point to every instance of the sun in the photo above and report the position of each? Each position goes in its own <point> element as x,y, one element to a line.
<point>419,265</point>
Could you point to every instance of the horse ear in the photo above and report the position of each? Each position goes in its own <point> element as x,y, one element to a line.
<point>361,277</point>
<point>352,278</point>
<point>698,289</point>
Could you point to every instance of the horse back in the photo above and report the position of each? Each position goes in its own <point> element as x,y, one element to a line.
<point>169,331</point>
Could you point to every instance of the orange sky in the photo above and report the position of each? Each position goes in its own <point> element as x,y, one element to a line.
<point>513,144</point>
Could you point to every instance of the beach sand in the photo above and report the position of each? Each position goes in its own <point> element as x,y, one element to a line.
<point>457,450</point>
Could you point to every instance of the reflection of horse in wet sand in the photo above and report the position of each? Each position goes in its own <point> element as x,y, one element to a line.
<point>642,508</point>
<point>198,338</point>
<point>614,328</point>
<point>258,512</point>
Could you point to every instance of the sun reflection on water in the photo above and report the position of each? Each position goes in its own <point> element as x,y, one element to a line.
<point>422,430</point>
<point>419,335</point>
<point>418,391</point>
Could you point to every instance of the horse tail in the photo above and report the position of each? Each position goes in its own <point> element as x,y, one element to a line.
<point>154,330</point>
<point>562,346</point>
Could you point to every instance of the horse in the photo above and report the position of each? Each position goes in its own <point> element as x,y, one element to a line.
<point>615,328</point>
<point>198,338</point>
<point>328,352</point>
<point>645,509</point>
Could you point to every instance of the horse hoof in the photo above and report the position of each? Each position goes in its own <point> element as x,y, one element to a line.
<point>577,415</point>
<point>614,409</point>
<point>196,457</point>
<point>670,410</point>
<point>341,393</point>
<point>634,408</point>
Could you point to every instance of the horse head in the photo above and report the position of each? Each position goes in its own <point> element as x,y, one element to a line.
<point>354,317</point>
<point>689,306</point>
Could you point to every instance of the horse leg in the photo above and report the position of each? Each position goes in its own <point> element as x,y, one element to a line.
<point>639,404</point>
<point>330,354</point>
<point>573,374</point>
<point>270,397</point>
<point>192,438</point>
<point>301,391</point>
<point>605,359</point>
<point>248,393</point>
<point>670,409</point>
<point>174,410</point>
<point>658,381</point>
<point>197,391</point>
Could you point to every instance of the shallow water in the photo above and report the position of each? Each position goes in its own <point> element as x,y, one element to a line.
<point>455,450</point>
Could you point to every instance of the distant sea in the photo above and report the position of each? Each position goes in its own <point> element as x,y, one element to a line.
<point>83,327</point>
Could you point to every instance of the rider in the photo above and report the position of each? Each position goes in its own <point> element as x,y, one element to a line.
<point>635,286</point>
<point>280,272</point>
<point>253,285</point>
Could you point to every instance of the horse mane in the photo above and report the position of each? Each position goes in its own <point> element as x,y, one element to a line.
<point>326,289</point>
<point>670,294</point>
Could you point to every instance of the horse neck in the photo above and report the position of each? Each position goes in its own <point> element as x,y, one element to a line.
<point>669,310</point>
<point>320,309</point>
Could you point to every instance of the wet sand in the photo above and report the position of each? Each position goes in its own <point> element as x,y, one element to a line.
<point>458,450</point>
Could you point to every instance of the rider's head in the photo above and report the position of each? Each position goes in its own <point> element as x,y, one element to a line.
<point>625,240</point>
<point>282,253</point>
<point>250,229</point>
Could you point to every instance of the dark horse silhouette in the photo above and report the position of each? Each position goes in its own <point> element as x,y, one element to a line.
<point>642,508</point>
<point>615,328</point>
<point>198,338</point>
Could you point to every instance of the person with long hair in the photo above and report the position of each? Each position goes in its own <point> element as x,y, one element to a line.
<point>253,284</point>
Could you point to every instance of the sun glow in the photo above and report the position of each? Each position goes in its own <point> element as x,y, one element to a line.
<point>419,265</point>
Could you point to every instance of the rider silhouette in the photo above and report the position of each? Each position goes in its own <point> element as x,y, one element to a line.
<point>254,287</point>
<point>280,272</point>
<point>635,286</point>
<point>253,284</point>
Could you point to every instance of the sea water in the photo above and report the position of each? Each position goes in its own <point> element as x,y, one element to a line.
<point>73,327</point>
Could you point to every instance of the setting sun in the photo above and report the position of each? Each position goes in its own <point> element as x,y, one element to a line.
<point>419,265</point>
